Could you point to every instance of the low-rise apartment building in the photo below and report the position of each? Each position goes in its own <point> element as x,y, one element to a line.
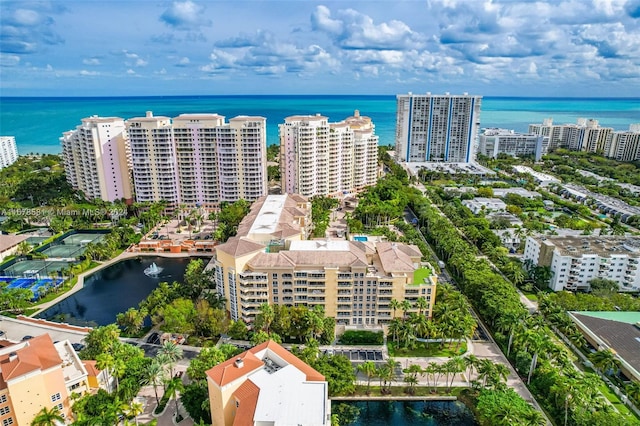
<point>502,141</point>
<point>37,374</point>
<point>267,385</point>
<point>575,261</point>
<point>269,261</point>
<point>485,205</point>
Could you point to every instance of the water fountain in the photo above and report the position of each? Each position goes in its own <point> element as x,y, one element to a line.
<point>153,270</point>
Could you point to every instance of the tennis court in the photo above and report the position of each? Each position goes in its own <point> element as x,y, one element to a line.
<point>72,246</point>
<point>31,268</point>
<point>36,285</point>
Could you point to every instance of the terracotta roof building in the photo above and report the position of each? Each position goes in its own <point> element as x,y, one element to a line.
<point>35,374</point>
<point>267,385</point>
<point>354,281</point>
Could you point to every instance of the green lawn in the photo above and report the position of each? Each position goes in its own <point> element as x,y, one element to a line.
<point>612,397</point>
<point>419,275</point>
<point>434,350</point>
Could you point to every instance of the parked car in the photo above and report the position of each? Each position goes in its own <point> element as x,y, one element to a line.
<point>27,337</point>
<point>77,346</point>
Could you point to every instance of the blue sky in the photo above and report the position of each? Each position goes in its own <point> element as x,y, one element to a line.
<point>147,47</point>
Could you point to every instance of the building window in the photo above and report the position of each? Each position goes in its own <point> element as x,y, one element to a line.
<point>55,397</point>
<point>7,422</point>
<point>4,410</point>
<point>59,407</point>
<point>3,398</point>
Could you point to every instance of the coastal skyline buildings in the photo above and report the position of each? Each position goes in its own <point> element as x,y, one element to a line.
<point>96,158</point>
<point>440,128</point>
<point>322,158</point>
<point>587,135</point>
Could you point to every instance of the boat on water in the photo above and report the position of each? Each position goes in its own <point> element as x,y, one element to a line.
<point>153,270</point>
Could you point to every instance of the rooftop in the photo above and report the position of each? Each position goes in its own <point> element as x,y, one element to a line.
<point>36,354</point>
<point>9,241</point>
<point>603,246</point>
<point>615,333</point>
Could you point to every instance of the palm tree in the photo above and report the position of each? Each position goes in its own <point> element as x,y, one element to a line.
<point>368,368</point>
<point>536,341</point>
<point>175,387</point>
<point>106,361</point>
<point>394,304</point>
<point>485,371</point>
<point>134,409</point>
<point>471,362</point>
<point>604,360</point>
<point>48,417</point>
<point>633,391</point>
<point>394,327</point>
<point>153,375</point>
<point>405,305</point>
<point>422,305</point>
<point>172,352</point>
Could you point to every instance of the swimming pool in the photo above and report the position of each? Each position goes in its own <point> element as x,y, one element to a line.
<point>360,238</point>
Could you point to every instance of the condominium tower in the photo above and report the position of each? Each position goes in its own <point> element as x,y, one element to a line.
<point>153,153</point>
<point>220,161</point>
<point>96,158</point>
<point>270,261</point>
<point>437,127</point>
<point>322,158</point>
<point>585,135</point>
<point>624,146</point>
<point>198,159</point>
<point>8,151</point>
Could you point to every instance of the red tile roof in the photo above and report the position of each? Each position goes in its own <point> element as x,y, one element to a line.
<point>228,371</point>
<point>38,353</point>
<point>310,372</point>
<point>247,396</point>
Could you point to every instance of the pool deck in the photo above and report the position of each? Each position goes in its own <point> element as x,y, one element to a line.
<point>80,284</point>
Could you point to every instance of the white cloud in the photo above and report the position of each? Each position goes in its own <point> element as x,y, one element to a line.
<point>91,61</point>
<point>184,15</point>
<point>9,60</point>
<point>89,73</point>
<point>130,71</point>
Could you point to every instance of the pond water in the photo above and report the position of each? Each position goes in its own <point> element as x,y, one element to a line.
<point>115,289</point>
<point>404,413</point>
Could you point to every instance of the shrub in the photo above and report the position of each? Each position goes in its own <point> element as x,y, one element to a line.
<point>361,337</point>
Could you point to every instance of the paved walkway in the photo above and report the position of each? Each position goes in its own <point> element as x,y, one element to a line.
<point>166,418</point>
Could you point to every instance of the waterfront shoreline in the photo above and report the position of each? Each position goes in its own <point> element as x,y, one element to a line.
<point>125,255</point>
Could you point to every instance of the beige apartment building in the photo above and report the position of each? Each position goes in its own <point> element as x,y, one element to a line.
<point>270,261</point>
<point>35,374</point>
<point>322,158</point>
<point>267,385</point>
<point>96,158</point>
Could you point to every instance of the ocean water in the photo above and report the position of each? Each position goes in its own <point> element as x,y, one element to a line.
<point>38,123</point>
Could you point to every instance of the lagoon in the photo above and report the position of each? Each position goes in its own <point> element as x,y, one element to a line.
<point>114,289</point>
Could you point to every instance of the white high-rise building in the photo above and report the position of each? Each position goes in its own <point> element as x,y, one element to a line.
<point>8,151</point>
<point>585,135</point>
<point>96,158</point>
<point>322,158</point>
<point>220,161</point>
<point>509,142</point>
<point>154,161</point>
<point>624,146</point>
<point>437,127</point>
